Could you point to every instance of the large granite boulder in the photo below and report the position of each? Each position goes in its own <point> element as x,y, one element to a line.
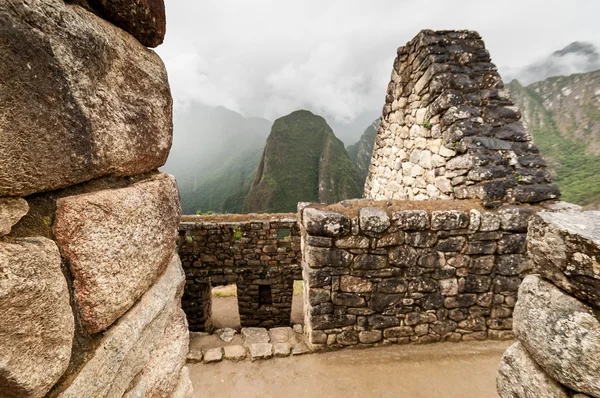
<point>519,376</point>
<point>565,248</point>
<point>160,376</point>
<point>88,99</point>
<point>184,388</point>
<point>127,346</point>
<point>36,320</point>
<point>117,242</point>
<point>561,333</point>
<point>11,211</point>
<point>144,19</point>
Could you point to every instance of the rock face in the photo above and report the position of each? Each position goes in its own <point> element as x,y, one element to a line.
<point>36,322</point>
<point>91,101</point>
<point>117,242</point>
<point>128,346</point>
<point>143,19</point>
<point>519,376</point>
<point>561,333</point>
<point>565,248</point>
<point>11,211</point>
<point>449,129</point>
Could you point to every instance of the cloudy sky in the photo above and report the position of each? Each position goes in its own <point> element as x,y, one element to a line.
<point>270,57</point>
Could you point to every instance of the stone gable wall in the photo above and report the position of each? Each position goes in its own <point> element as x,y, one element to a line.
<point>380,272</point>
<point>247,253</point>
<point>449,129</point>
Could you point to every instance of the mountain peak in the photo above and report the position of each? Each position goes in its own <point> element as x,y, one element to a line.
<point>578,48</point>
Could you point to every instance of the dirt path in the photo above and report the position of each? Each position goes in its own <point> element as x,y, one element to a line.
<point>445,370</point>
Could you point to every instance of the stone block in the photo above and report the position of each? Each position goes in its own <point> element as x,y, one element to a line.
<point>318,257</point>
<point>449,220</point>
<point>301,349</point>
<point>143,19</point>
<point>373,219</point>
<point>280,334</point>
<point>260,351</point>
<point>325,223</point>
<point>519,376</point>
<point>255,336</point>
<point>282,350</point>
<point>213,355</point>
<point>36,321</point>
<point>11,211</point>
<point>126,347</point>
<point>411,219</point>
<point>565,248</point>
<point>353,284</point>
<point>117,242</point>
<point>93,101</point>
<point>235,352</point>
<point>226,334</point>
<point>561,333</point>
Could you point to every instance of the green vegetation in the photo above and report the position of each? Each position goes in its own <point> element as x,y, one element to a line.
<point>237,233</point>
<point>302,161</point>
<point>208,213</point>
<point>576,172</point>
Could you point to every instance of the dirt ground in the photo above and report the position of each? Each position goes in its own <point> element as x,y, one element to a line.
<point>443,370</point>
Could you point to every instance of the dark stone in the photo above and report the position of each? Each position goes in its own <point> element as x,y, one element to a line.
<point>398,331</point>
<point>348,337</point>
<point>511,264</point>
<point>536,193</point>
<point>432,301</point>
<point>444,272</point>
<point>512,132</point>
<point>443,327</point>
<point>381,322</point>
<point>476,284</point>
<point>318,296</point>
<point>143,19</point>
<point>330,321</point>
<point>482,265</point>
<point>512,244</point>
<point>429,260</point>
<point>458,314</point>
<point>423,285</point>
<point>506,284</point>
<point>462,300</point>
<point>474,325</point>
<point>404,256</point>
<point>325,223</point>
<point>452,244</point>
<point>411,220</point>
<point>421,239</point>
<point>319,241</point>
<point>348,299</point>
<point>379,302</point>
<point>322,309</point>
<point>370,262</point>
<point>319,257</point>
<point>392,285</point>
<point>449,220</point>
<point>480,247</point>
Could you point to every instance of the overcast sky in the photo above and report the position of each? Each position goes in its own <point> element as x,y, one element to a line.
<point>270,57</point>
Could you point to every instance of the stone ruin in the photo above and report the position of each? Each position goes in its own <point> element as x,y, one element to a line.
<point>90,282</point>
<point>260,255</point>
<point>449,129</point>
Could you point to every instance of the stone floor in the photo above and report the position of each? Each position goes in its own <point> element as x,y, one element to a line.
<point>250,343</point>
<point>448,370</point>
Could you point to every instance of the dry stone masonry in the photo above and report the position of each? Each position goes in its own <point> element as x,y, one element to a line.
<point>450,131</point>
<point>261,256</point>
<point>383,272</point>
<point>556,318</point>
<point>90,282</point>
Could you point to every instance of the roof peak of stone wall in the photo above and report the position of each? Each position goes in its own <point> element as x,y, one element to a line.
<point>449,129</point>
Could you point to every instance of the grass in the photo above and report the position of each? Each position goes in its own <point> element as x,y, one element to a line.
<point>298,288</point>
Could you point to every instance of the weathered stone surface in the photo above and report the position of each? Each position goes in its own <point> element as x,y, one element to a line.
<point>318,257</point>
<point>92,102</point>
<point>449,219</point>
<point>143,19</point>
<point>373,219</point>
<point>300,349</point>
<point>298,328</point>
<point>127,346</point>
<point>561,334</point>
<point>282,349</point>
<point>280,335</point>
<point>184,388</point>
<point>11,211</point>
<point>117,242</point>
<point>260,351</point>
<point>255,335</point>
<point>160,376</point>
<point>519,376</point>
<point>325,223</point>
<point>370,336</point>
<point>195,356</point>
<point>226,334</point>
<point>36,320</point>
<point>235,352</point>
<point>213,355</point>
<point>565,248</point>
<point>411,219</point>
<point>355,284</point>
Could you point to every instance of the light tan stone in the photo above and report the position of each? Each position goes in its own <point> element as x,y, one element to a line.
<point>36,320</point>
<point>11,211</point>
<point>117,242</point>
<point>127,346</point>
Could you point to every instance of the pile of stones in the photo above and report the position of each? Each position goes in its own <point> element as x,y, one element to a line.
<point>557,315</point>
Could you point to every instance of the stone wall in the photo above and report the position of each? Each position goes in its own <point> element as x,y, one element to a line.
<point>90,283</point>
<point>450,131</point>
<point>402,272</point>
<point>261,255</point>
<point>556,319</point>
